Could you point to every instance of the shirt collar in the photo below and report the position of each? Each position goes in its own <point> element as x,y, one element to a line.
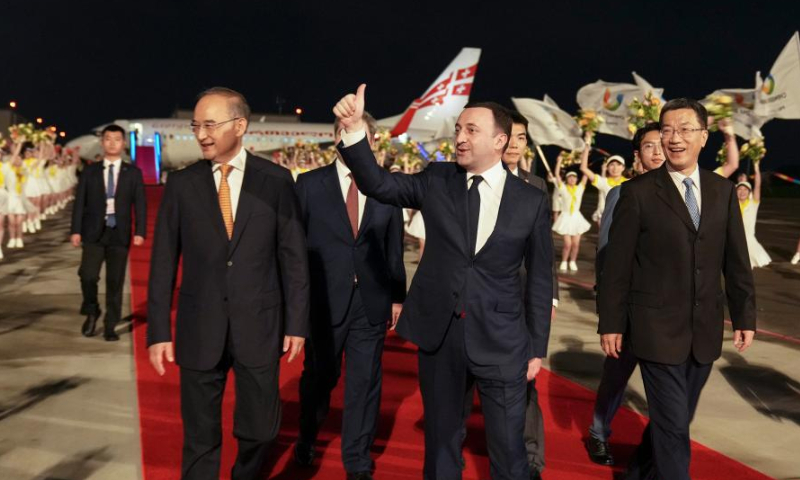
<point>492,177</point>
<point>341,169</point>
<point>236,162</point>
<point>514,171</point>
<point>107,162</point>
<point>679,177</point>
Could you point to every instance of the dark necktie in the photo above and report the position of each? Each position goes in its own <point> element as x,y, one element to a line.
<point>474,206</point>
<point>111,219</point>
<point>352,204</point>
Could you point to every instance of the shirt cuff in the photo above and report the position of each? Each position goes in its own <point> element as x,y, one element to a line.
<point>555,302</point>
<point>350,139</point>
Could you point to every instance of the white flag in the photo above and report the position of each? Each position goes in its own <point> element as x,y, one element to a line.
<point>611,101</point>
<point>548,124</point>
<point>646,87</point>
<point>746,123</point>
<point>778,95</point>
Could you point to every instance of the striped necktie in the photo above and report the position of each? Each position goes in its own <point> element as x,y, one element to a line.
<point>225,198</point>
<point>691,202</point>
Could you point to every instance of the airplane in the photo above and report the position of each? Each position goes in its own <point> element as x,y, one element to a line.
<point>429,117</point>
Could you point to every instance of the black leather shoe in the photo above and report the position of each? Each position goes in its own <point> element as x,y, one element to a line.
<point>598,451</point>
<point>304,454</point>
<point>360,476</point>
<point>88,326</point>
<point>110,336</point>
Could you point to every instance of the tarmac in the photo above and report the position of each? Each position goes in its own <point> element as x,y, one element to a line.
<point>68,407</point>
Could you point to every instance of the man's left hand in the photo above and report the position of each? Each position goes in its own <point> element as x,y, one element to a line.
<point>534,365</point>
<point>742,339</point>
<point>293,345</point>
<point>138,240</point>
<point>397,309</point>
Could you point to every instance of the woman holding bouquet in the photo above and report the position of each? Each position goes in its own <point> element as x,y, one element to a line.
<point>749,201</point>
<point>570,224</point>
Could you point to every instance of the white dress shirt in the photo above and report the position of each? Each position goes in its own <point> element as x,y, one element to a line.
<point>235,178</point>
<point>344,181</point>
<point>678,177</point>
<point>117,165</point>
<point>491,192</point>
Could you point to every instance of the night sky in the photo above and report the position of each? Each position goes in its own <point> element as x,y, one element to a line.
<point>83,63</point>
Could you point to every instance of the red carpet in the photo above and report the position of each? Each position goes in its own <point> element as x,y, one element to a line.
<point>398,449</point>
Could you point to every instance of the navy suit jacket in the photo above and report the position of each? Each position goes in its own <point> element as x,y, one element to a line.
<point>485,290</point>
<point>89,210</point>
<point>336,258</point>
<point>250,290</point>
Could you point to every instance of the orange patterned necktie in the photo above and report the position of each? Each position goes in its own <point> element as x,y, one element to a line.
<point>225,198</point>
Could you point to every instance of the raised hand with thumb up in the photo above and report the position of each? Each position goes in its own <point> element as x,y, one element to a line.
<point>350,110</point>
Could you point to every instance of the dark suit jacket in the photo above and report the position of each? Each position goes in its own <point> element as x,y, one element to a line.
<point>254,287</point>
<point>89,210</point>
<point>335,258</point>
<point>539,183</point>
<point>486,288</point>
<point>661,280</point>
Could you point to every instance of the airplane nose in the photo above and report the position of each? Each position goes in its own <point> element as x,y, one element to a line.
<point>88,146</point>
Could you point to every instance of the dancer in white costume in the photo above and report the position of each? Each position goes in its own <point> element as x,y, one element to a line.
<point>14,180</point>
<point>749,201</point>
<point>611,177</point>
<point>570,224</point>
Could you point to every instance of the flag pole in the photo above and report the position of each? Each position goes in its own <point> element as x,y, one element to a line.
<point>544,159</point>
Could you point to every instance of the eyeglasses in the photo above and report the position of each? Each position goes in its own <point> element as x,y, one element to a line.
<point>209,126</point>
<point>684,132</point>
<point>652,147</point>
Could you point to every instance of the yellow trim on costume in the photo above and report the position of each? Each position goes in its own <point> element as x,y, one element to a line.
<point>572,190</point>
<point>743,205</point>
<point>616,183</point>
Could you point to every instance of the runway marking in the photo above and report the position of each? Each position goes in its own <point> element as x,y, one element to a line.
<point>780,336</point>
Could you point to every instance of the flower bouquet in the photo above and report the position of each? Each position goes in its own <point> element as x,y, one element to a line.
<point>21,133</point>
<point>719,107</point>
<point>569,158</point>
<point>753,150</point>
<point>642,112</point>
<point>589,120</point>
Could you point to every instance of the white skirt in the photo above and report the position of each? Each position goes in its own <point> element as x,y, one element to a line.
<point>3,203</point>
<point>16,204</point>
<point>571,224</point>
<point>758,256</point>
<point>416,228</point>
<point>31,188</point>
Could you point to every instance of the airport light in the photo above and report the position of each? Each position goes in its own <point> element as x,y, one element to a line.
<point>298,111</point>
<point>12,104</point>
<point>62,134</point>
<point>39,120</point>
<point>53,129</point>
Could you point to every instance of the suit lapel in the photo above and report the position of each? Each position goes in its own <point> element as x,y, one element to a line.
<point>706,196</point>
<point>207,191</point>
<point>251,184</point>
<point>335,194</point>
<point>667,192</point>
<point>457,188</point>
<point>369,210</point>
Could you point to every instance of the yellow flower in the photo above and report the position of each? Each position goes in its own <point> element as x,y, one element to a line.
<point>745,147</point>
<point>640,112</point>
<point>632,128</point>
<point>725,99</point>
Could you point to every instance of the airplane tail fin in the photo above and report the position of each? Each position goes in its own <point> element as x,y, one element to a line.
<point>443,100</point>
